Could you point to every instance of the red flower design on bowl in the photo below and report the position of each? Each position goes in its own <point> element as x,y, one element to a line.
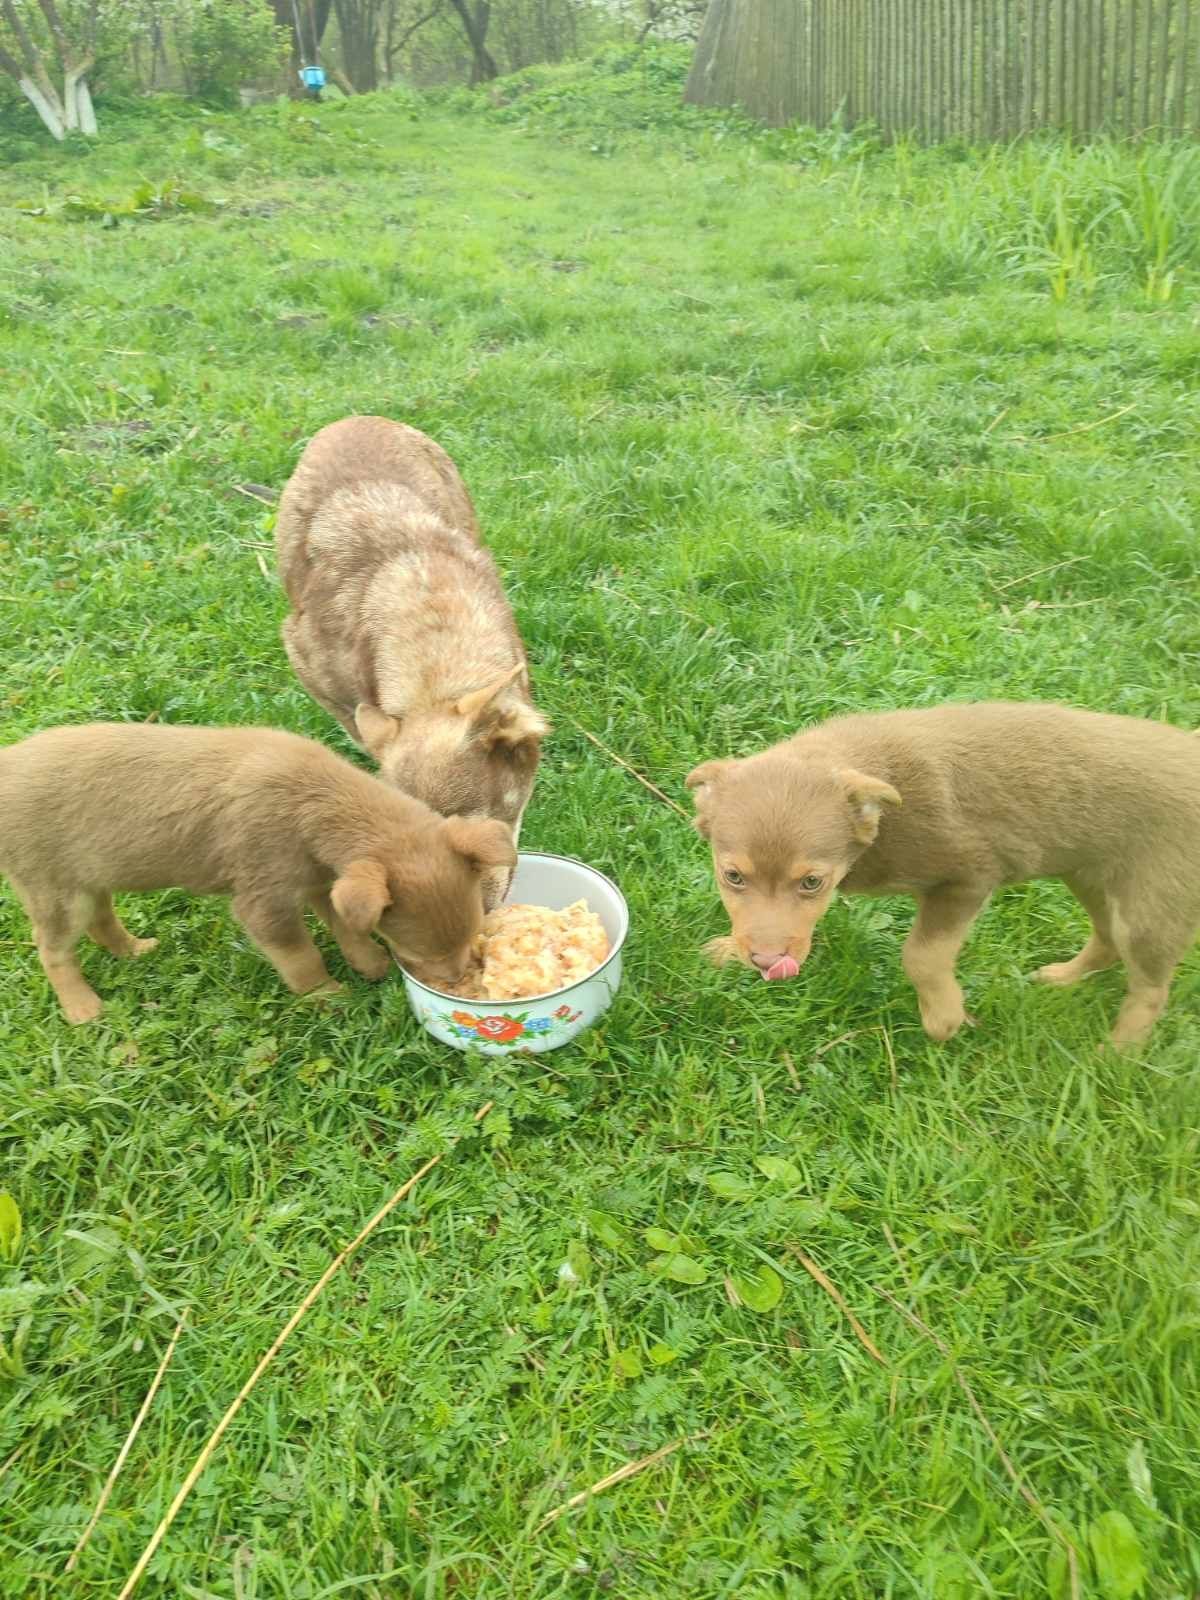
<point>499,1029</point>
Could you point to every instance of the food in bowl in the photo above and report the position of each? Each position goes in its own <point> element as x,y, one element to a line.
<point>529,950</point>
<point>543,1021</point>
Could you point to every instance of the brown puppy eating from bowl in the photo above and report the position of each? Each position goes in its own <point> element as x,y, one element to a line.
<point>948,804</point>
<point>276,821</point>
<point>400,626</point>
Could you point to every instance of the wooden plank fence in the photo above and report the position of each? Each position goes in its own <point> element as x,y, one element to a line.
<point>967,69</point>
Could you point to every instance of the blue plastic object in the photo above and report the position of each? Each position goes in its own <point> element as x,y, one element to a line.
<point>312,77</point>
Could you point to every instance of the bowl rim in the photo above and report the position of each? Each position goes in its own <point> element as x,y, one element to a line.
<point>549,994</point>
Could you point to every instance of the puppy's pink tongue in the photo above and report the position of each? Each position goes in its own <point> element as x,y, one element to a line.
<point>785,967</point>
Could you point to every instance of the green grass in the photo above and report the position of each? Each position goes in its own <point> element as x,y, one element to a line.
<point>762,428</point>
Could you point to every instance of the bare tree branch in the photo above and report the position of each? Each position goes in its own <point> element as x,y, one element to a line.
<point>30,54</point>
<point>62,45</point>
<point>390,50</point>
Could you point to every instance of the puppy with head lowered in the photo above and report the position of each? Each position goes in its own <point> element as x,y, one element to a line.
<point>948,804</point>
<point>400,626</point>
<point>276,821</point>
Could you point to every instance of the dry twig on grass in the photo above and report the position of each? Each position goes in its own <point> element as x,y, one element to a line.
<point>629,1470</point>
<point>1039,572</point>
<point>218,1433</point>
<point>255,491</point>
<point>107,1490</point>
<point>633,771</point>
<point>839,1300</point>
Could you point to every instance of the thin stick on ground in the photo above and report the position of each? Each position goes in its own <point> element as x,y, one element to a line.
<point>1069,433</point>
<point>1018,1481</point>
<point>632,771</point>
<point>127,1446</point>
<point>1039,572</point>
<point>1086,427</point>
<point>629,1470</point>
<point>839,1300</point>
<point>214,1439</point>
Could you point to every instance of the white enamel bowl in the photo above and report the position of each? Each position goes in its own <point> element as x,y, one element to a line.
<point>545,1021</point>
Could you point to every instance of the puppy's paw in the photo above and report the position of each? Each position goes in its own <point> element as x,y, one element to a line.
<point>85,1007</point>
<point>372,963</point>
<point>942,1022</point>
<point>141,947</point>
<point>1127,1038</point>
<point>329,990</point>
<point>1059,973</point>
<point>721,952</point>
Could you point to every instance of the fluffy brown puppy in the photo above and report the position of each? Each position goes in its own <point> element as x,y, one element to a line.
<point>400,626</point>
<point>946,805</point>
<point>276,821</point>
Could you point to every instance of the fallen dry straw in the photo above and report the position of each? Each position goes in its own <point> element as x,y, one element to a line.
<point>127,1446</point>
<point>839,1300</point>
<point>218,1433</point>
<point>632,771</point>
<point>629,1470</point>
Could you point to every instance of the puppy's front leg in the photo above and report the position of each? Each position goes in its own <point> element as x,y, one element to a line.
<point>278,930</point>
<point>944,918</point>
<point>58,924</point>
<point>359,949</point>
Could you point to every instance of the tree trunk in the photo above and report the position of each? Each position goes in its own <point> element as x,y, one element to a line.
<point>475,25</point>
<point>358,25</point>
<point>758,54</point>
<point>75,61</point>
<point>29,71</point>
<point>77,99</point>
<point>50,110</point>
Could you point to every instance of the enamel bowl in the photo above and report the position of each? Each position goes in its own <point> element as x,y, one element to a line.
<point>544,1021</point>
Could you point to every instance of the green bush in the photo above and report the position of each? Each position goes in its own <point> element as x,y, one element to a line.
<point>226,43</point>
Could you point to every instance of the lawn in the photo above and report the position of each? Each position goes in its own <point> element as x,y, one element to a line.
<point>761,428</point>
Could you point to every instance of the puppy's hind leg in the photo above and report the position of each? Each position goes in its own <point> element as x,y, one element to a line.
<point>108,931</point>
<point>1098,953</point>
<point>278,930</point>
<point>944,918</point>
<point>361,951</point>
<point>1151,954</point>
<point>58,924</point>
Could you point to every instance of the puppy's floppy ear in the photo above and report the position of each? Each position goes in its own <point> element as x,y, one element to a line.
<point>484,843</point>
<point>501,718</point>
<point>702,780</point>
<point>471,705</point>
<point>375,728</point>
<point>867,798</point>
<point>516,722</point>
<point>360,896</point>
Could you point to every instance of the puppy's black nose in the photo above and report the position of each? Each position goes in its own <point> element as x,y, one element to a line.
<point>765,962</point>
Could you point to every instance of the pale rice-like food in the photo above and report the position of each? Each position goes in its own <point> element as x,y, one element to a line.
<point>527,950</point>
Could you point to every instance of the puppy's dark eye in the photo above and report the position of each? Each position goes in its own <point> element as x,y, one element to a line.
<point>810,883</point>
<point>733,878</point>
